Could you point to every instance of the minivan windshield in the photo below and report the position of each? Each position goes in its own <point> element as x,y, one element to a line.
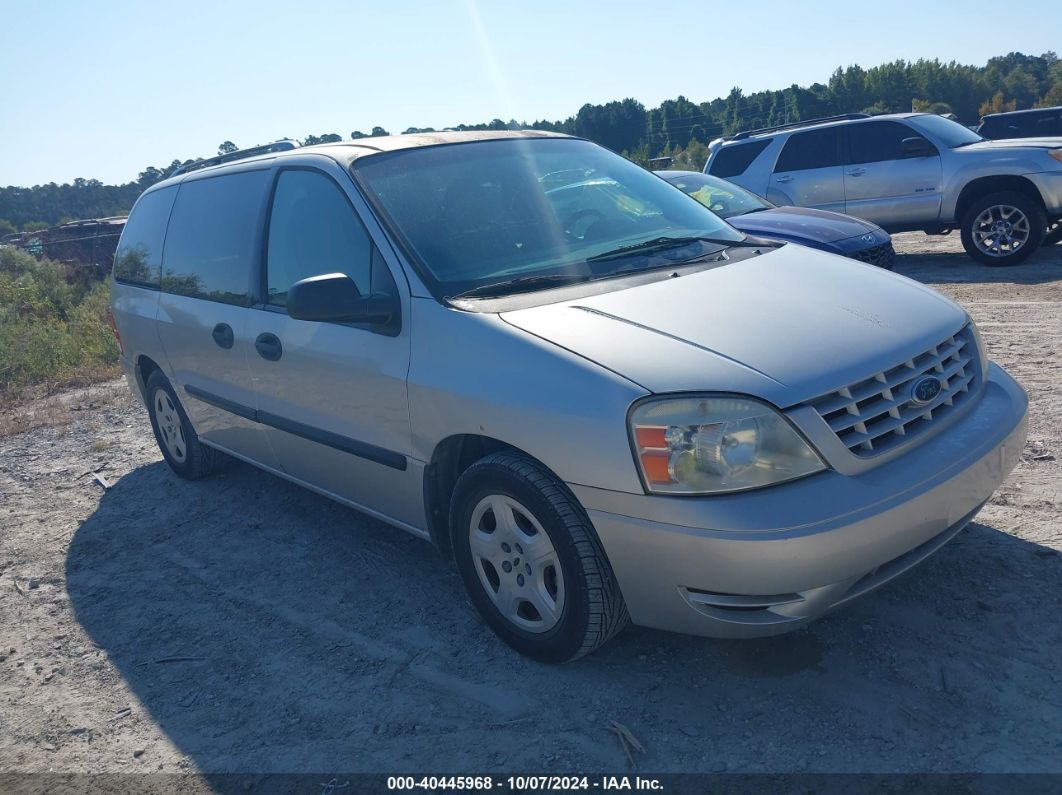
<point>948,132</point>
<point>528,213</point>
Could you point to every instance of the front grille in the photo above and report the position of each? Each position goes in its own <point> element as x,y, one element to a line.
<point>882,255</point>
<point>879,413</point>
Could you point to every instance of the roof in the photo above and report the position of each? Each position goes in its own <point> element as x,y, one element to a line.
<point>349,151</point>
<point>812,124</point>
<point>1021,112</point>
<point>391,143</point>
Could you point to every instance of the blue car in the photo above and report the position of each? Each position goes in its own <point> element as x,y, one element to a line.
<point>833,232</point>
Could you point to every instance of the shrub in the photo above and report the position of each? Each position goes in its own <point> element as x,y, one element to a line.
<point>50,332</point>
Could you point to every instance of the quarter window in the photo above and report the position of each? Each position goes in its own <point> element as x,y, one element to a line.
<point>138,259</point>
<point>735,159</point>
<point>313,230</point>
<point>872,142</point>
<point>812,149</point>
<point>210,246</point>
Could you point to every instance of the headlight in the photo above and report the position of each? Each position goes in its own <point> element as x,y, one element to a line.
<point>708,445</point>
<point>1056,154</point>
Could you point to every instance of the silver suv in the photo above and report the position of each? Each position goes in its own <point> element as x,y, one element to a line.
<point>593,395</point>
<point>906,172</point>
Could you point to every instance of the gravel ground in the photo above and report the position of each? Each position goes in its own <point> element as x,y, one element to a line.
<point>242,624</point>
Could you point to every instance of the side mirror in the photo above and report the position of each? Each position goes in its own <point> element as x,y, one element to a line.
<point>334,298</point>
<point>916,147</point>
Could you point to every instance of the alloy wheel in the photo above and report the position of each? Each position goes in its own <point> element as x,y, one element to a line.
<point>1001,230</point>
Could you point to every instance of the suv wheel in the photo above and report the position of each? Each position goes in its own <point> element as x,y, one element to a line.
<point>177,440</point>
<point>531,561</point>
<point>1003,228</point>
<point>1054,234</point>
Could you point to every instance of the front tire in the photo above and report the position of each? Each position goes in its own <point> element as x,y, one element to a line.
<point>1003,228</point>
<point>531,562</point>
<point>1054,234</point>
<point>187,456</point>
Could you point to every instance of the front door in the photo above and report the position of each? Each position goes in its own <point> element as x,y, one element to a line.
<point>331,396</point>
<point>883,186</point>
<point>808,172</point>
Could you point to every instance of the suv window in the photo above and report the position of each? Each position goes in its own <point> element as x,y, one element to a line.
<point>734,160</point>
<point>313,229</point>
<point>210,245</point>
<point>811,149</point>
<point>138,259</point>
<point>872,142</point>
<point>1049,124</point>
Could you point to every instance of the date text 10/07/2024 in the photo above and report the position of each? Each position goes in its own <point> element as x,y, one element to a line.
<point>524,783</point>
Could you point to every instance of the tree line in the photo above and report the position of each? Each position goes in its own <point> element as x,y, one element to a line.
<point>680,127</point>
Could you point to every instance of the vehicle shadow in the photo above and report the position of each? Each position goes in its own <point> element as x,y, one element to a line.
<point>955,266</point>
<point>267,629</point>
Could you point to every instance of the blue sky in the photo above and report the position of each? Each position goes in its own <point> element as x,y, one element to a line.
<point>104,89</point>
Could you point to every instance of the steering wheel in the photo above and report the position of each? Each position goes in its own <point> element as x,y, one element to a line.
<point>579,215</point>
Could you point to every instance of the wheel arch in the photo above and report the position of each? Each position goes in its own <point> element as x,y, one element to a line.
<point>982,186</point>
<point>143,369</point>
<point>450,458</point>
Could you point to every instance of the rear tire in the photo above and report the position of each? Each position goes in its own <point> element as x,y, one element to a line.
<point>531,561</point>
<point>1003,228</point>
<point>187,456</point>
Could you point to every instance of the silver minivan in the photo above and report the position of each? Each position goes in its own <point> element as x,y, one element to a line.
<point>599,400</point>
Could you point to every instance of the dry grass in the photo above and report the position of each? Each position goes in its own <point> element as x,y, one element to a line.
<point>59,403</point>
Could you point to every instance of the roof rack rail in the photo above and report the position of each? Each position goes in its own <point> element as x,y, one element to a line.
<point>276,146</point>
<point>842,117</point>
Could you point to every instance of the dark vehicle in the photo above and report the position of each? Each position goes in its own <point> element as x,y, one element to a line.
<point>86,247</point>
<point>839,234</point>
<point>1034,123</point>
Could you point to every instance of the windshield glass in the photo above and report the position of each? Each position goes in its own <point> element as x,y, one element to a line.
<point>948,132</point>
<point>481,213</point>
<point>723,198</point>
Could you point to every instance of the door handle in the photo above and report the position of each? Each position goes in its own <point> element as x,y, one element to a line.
<point>857,172</point>
<point>222,335</point>
<point>786,178</point>
<point>269,347</point>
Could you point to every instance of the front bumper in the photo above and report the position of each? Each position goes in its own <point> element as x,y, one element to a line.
<point>766,562</point>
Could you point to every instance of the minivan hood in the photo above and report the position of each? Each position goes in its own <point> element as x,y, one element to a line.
<point>786,326</point>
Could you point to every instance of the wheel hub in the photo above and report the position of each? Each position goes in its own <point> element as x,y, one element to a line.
<point>516,563</point>
<point>1001,230</point>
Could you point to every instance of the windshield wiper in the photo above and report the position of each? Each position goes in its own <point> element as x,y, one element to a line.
<point>521,284</point>
<point>664,243</point>
<point>656,244</point>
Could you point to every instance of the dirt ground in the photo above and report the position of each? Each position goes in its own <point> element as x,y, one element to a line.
<point>243,624</point>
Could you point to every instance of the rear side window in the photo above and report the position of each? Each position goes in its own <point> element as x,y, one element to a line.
<point>811,149</point>
<point>872,142</point>
<point>1049,124</point>
<point>138,259</point>
<point>210,246</point>
<point>734,160</point>
<point>1023,125</point>
<point>313,230</point>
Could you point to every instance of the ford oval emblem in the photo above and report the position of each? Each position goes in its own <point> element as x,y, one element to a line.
<point>925,389</point>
